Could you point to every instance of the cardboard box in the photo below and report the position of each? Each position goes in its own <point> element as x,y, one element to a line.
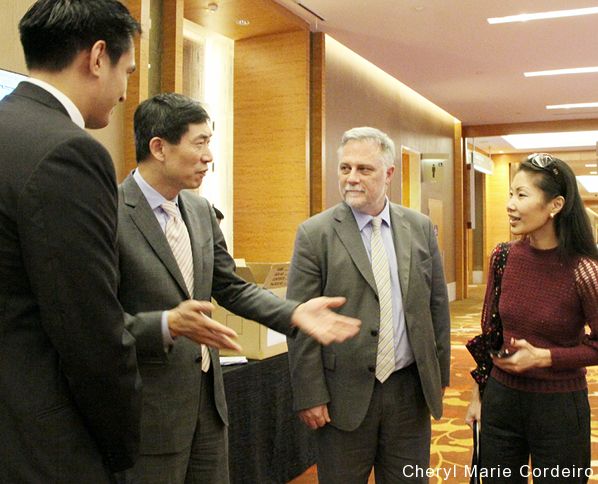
<point>258,341</point>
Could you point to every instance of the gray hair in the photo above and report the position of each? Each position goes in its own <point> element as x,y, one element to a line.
<point>365,133</point>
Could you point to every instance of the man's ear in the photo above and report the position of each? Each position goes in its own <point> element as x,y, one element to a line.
<point>156,147</point>
<point>98,57</point>
<point>390,171</point>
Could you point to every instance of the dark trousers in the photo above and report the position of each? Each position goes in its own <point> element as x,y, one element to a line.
<point>394,437</point>
<point>525,435</point>
<point>206,461</point>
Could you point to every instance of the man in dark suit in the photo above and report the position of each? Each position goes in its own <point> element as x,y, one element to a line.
<point>69,386</point>
<point>371,398</point>
<point>184,418</point>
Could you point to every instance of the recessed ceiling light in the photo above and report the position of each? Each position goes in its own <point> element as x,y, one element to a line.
<point>560,72</point>
<point>543,141</point>
<point>524,17</point>
<point>573,105</point>
<point>591,165</point>
<point>589,182</point>
<point>243,22</point>
<point>594,173</point>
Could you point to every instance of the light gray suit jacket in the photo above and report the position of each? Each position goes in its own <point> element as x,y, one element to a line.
<point>330,260</point>
<point>151,282</point>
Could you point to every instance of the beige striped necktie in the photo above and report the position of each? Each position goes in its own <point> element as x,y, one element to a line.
<point>385,359</point>
<point>180,243</point>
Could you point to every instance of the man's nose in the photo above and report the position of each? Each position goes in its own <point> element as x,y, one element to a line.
<point>353,176</point>
<point>207,156</point>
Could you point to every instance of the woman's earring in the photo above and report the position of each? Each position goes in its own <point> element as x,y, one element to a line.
<point>551,215</point>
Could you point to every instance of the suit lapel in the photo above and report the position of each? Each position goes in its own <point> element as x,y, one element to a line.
<point>401,232</point>
<point>348,232</point>
<point>198,224</point>
<point>145,220</point>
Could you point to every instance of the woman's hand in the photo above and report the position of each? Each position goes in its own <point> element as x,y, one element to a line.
<point>474,411</point>
<point>525,357</point>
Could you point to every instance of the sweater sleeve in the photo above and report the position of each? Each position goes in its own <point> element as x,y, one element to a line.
<point>586,353</point>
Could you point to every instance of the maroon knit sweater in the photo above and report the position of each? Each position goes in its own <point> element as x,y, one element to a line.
<point>549,303</point>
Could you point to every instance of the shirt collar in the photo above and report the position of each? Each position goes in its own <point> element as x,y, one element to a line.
<point>153,197</point>
<point>69,105</point>
<point>363,219</point>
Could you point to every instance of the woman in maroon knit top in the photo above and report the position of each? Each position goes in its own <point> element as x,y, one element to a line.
<point>535,401</point>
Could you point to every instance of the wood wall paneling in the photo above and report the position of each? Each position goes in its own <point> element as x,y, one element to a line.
<point>496,191</point>
<point>137,89</point>
<point>461,254</point>
<point>172,45</point>
<point>271,126</point>
<point>317,123</point>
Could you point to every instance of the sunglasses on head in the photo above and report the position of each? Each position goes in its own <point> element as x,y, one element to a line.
<point>544,161</point>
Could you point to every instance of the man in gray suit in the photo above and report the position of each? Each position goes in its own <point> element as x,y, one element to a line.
<point>371,398</point>
<point>184,417</point>
<point>69,388</point>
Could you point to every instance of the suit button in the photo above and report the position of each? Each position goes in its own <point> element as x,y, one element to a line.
<point>198,358</point>
<point>374,332</point>
<point>372,368</point>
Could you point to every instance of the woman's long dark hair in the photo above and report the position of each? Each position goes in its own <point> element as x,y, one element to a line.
<point>572,223</point>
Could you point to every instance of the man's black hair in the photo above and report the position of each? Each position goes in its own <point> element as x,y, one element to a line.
<point>53,32</point>
<point>166,116</point>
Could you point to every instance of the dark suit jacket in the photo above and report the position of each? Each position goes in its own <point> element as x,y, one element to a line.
<point>152,282</point>
<point>69,387</point>
<point>330,259</point>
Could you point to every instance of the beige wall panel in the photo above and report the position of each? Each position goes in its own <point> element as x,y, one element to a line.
<point>11,53</point>
<point>360,94</point>
<point>271,109</point>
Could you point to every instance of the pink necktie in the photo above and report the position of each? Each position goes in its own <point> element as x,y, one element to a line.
<point>180,243</point>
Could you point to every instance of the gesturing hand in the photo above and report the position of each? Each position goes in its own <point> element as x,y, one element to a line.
<point>188,319</point>
<point>315,319</point>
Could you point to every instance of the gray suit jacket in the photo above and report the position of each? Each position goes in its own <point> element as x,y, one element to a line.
<point>69,388</point>
<point>330,259</point>
<point>150,282</point>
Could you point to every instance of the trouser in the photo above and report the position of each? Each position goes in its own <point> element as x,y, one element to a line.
<point>544,436</point>
<point>394,437</point>
<point>205,461</point>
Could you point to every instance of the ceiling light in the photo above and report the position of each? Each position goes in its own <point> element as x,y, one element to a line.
<point>242,22</point>
<point>589,182</point>
<point>212,7</point>
<point>594,173</point>
<point>573,105</point>
<point>591,165</point>
<point>560,72</point>
<point>543,141</point>
<point>524,17</point>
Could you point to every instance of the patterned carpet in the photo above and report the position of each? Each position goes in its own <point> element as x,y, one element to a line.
<point>451,438</point>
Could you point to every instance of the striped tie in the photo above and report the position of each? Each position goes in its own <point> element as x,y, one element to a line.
<point>385,359</point>
<point>180,243</point>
